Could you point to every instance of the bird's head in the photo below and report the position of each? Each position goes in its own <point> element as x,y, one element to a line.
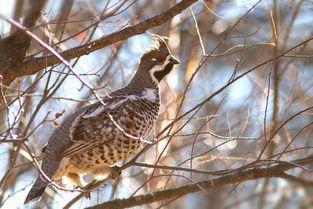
<point>158,61</point>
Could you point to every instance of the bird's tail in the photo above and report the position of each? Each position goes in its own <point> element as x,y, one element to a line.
<point>36,191</point>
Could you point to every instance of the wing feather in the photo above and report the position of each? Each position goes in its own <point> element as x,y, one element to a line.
<point>87,129</point>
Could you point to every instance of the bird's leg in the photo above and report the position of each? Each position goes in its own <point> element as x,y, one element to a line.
<point>76,179</point>
<point>105,172</point>
<point>80,183</point>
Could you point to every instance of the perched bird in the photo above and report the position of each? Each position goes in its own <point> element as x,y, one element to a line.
<point>95,137</point>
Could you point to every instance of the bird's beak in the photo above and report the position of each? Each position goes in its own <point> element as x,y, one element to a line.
<point>174,61</point>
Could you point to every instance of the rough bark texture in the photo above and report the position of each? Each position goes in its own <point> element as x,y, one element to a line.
<point>255,172</point>
<point>32,65</point>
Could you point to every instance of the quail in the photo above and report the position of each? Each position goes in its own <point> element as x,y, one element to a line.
<point>95,137</point>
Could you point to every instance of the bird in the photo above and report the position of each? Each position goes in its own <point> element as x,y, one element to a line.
<point>92,139</point>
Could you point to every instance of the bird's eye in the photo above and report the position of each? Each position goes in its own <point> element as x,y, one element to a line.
<point>153,59</point>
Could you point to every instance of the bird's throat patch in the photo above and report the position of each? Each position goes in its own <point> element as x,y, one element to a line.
<point>160,74</point>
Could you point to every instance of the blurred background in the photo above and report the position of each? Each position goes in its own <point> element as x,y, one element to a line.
<point>240,120</point>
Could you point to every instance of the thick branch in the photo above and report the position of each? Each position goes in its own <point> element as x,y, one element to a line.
<point>33,65</point>
<point>14,47</point>
<point>275,170</point>
<point>35,8</point>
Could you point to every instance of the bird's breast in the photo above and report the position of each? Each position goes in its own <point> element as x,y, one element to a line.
<point>119,134</point>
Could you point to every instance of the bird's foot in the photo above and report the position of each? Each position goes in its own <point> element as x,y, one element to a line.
<point>86,190</point>
<point>115,172</point>
<point>86,194</point>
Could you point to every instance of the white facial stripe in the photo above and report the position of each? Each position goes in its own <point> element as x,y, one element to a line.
<point>154,69</point>
<point>159,68</point>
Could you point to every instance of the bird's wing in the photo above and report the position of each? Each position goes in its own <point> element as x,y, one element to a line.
<point>95,126</point>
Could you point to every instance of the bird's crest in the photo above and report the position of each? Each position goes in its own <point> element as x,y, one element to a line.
<point>158,43</point>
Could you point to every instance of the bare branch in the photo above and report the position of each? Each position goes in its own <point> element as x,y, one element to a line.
<point>275,170</point>
<point>33,65</point>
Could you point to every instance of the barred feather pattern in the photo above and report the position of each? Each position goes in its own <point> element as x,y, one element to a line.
<point>95,137</point>
<point>101,140</point>
<point>89,141</point>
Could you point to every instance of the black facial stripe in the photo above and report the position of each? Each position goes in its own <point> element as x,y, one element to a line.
<point>159,75</point>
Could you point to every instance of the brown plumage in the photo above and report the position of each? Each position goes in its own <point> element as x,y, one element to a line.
<point>96,136</point>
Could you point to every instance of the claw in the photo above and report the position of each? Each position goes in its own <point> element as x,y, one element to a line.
<point>86,194</point>
<point>115,172</point>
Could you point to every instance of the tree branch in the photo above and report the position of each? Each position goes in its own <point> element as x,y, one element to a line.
<point>33,65</point>
<point>276,169</point>
<point>14,47</point>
